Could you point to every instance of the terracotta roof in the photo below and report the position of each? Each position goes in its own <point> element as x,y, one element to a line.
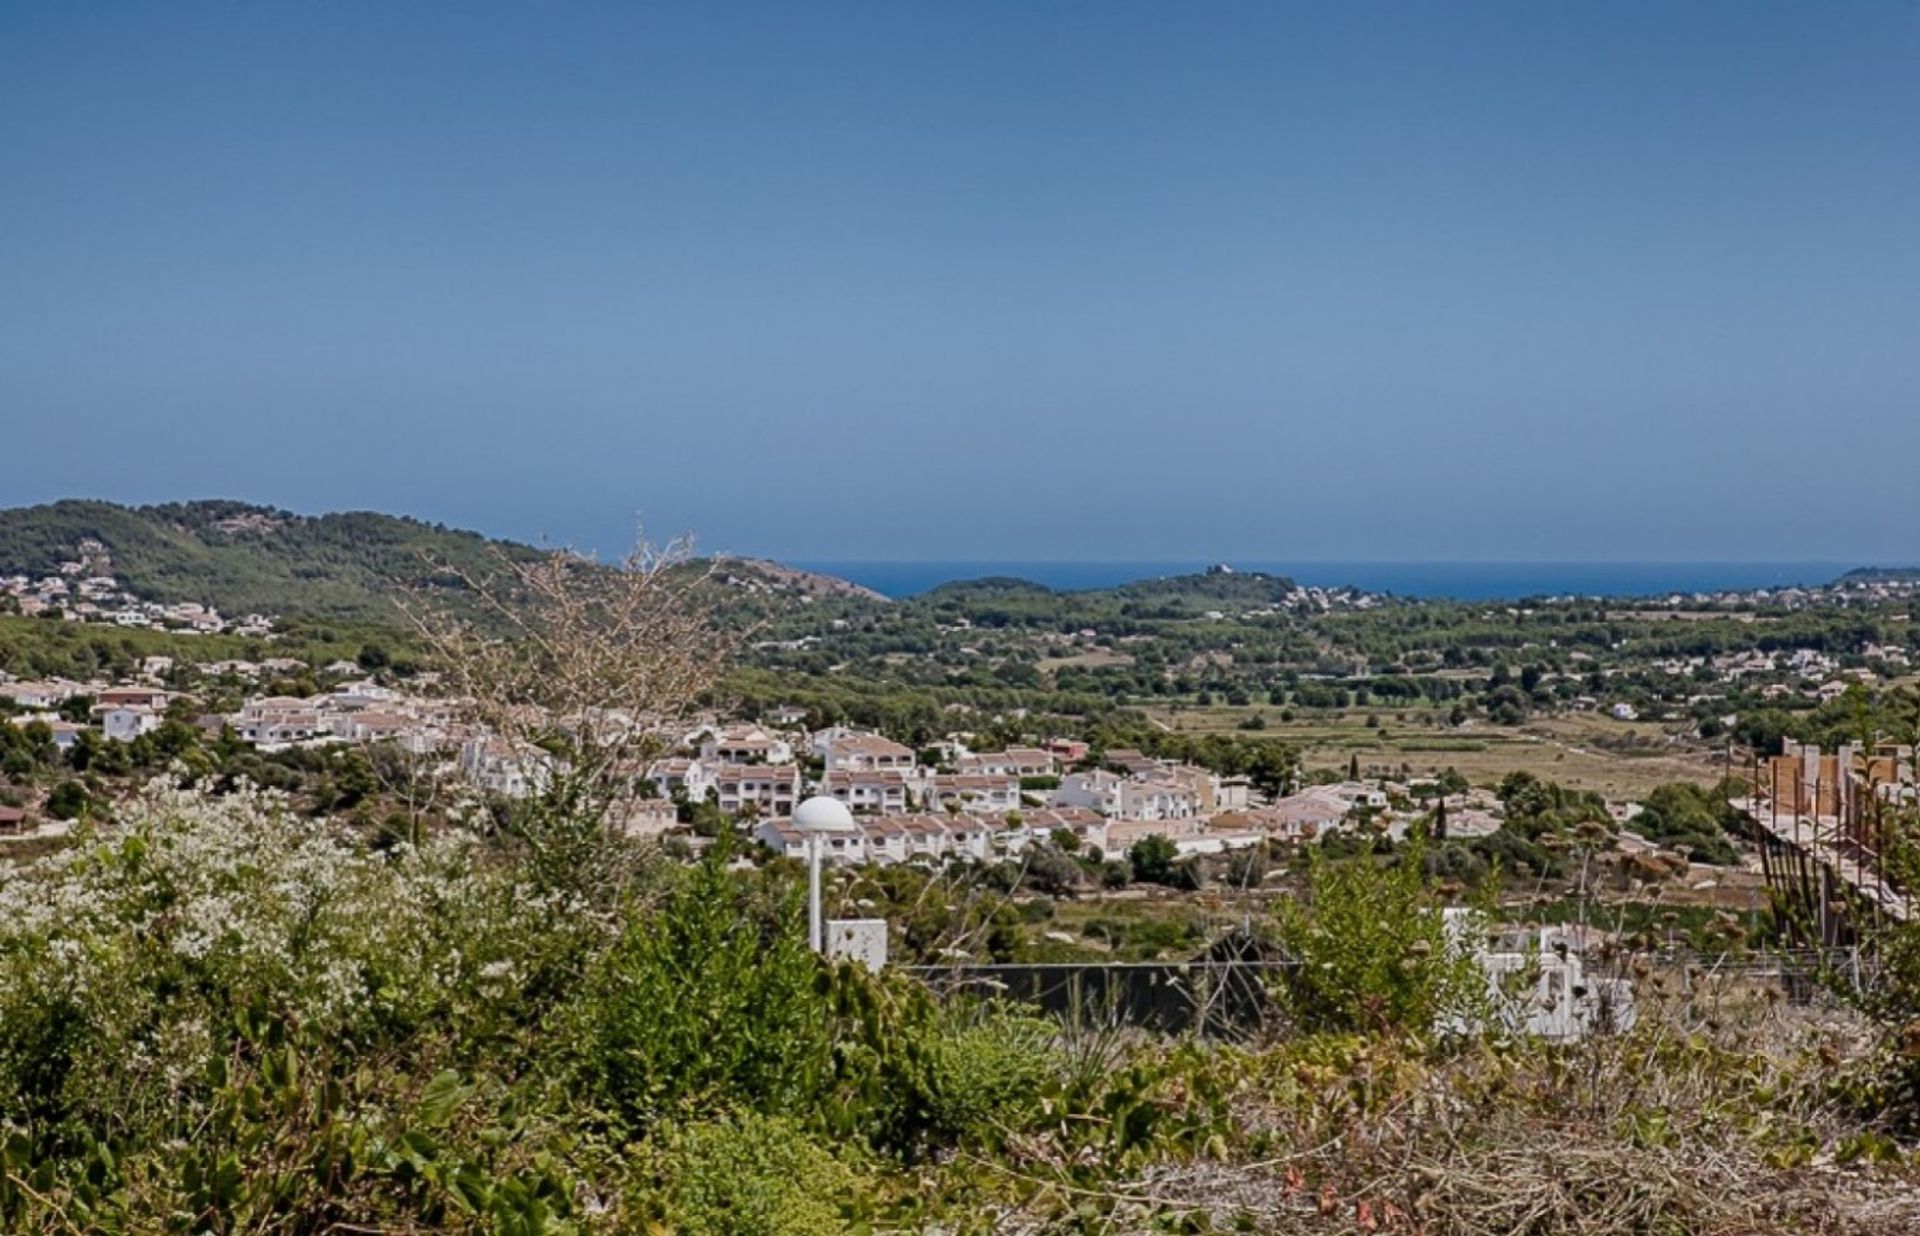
<point>869,744</point>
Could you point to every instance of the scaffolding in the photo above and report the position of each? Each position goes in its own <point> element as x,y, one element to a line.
<point>1827,828</point>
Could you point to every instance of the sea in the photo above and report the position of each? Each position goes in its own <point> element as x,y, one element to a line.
<point>1461,581</point>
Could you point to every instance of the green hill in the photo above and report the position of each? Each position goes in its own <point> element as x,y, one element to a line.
<point>345,567</point>
<point>1239,588</point>
<point>1881,575</point>
<point>243,559</point>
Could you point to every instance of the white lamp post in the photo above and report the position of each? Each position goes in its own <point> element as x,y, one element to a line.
<point>816,817</point>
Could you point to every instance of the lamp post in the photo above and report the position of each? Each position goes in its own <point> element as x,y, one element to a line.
<point>815,818</point>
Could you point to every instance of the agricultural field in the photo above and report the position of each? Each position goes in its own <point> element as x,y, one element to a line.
<point>1618,759</point>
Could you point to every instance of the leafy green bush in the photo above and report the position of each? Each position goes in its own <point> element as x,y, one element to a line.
<point>1455,860</point>
<point>68,800</point>
<point>749,1175</point>
<point>1372,952</point>
<point>709,1004</point>
<point>1536,806</point>
<point>1053,872</point>
<point>1679,814</point>
<point>1890,993</point>
<point>1154,857</point>
<point>1511,849</point>
<point>991,1068</point>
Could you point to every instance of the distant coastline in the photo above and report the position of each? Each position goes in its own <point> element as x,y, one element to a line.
<point>1461,581</point>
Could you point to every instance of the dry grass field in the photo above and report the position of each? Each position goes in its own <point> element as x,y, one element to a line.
<point>1092,658</point>
<point>1620,759</point>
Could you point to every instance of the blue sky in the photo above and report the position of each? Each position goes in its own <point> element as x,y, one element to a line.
<point>988,280</point>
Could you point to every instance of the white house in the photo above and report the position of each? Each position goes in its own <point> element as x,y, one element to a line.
<point>879,791</point>
<point>745,744</point>
<point>1310,813</point>
<point>279,720</point>
<point>923,838</point>
<point>126,722</point>
<point>780,836</point>
<point>134,697</point>
<point>65,734</point>
<point>1158,800</point>
<point>649,817</point>
<point>1122,798</point>
<point>769,789</point>
<point>856,752</point>
<point>372,725</point>
<point>1233,794</point>
<point>989,793</point>
<point>820,742</point>
<point>1098,790</point>
<point>38,694</point>
<point>889,839</point>
<point>681,774</point>
<point>365,693</point>
<point>497,767</point>
<point>1013,762</point>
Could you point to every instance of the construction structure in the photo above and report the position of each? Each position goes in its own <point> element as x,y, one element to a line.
<point>1539,982</point>
<point>1831,826</point>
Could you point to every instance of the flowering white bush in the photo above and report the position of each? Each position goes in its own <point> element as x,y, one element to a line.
<point>125,959</point>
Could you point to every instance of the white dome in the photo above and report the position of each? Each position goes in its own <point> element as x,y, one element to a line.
<point>822,814</point>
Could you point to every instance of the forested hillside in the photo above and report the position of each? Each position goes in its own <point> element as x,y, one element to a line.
<point>241,558</point>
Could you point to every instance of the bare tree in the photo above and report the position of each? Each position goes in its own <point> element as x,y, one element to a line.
<point>415,780</point>
<point>570,676</point>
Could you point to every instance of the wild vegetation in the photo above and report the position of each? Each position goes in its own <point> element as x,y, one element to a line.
<point>223,1017</point>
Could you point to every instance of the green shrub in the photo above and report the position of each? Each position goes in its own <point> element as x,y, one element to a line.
<point>1455,860</point>
<point>1154,859</point>
<point>748,1175</point>
<point>991,1067</point>
<point>705,1006</point>
<point>1372,951</point>
<point>1689,815</point>
<point>1509,848</point>
<point>1050,871</point>
<point>68,800</point>
<point>712,1003</point>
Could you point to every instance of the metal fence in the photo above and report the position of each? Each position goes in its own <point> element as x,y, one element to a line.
<point>1216,998</point>
<point>1231,998</point>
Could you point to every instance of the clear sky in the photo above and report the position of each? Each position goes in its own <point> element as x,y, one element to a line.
<point>1527,280</point>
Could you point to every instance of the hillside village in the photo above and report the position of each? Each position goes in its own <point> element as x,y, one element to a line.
<point>948,801</point>
<point>85,590</point>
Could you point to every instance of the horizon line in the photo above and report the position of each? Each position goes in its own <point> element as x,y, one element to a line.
<point>1255,562</point>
